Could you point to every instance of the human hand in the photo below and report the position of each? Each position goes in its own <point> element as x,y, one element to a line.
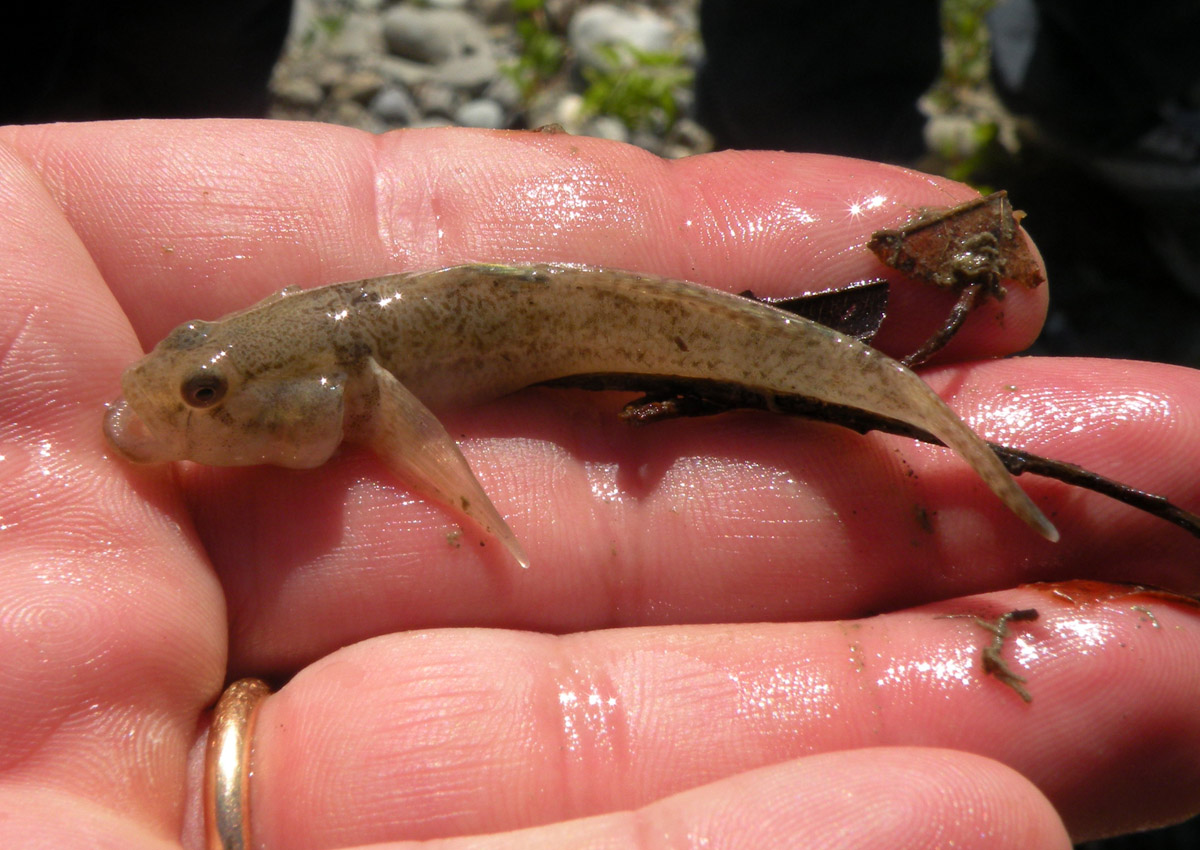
<point>129,594</point>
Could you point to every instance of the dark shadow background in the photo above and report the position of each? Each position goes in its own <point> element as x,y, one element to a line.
<point>1109,169</point>
<point>75,60</point>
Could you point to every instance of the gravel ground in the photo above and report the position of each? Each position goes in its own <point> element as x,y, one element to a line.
<point>483,63</point>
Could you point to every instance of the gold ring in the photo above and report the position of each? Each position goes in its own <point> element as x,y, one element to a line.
<point>227,766</point>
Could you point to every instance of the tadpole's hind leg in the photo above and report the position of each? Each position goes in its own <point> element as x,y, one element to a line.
<point>656,408</point>
<point>415,445</point>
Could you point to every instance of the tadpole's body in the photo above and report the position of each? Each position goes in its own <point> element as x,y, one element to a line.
<point>373,361</point>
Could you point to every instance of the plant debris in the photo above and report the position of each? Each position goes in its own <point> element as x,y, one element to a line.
<point>970,249</point>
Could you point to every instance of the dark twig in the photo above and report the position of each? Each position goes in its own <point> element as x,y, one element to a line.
<point>968,300</point>
<point>1018,462</point>
<point>670,398</point>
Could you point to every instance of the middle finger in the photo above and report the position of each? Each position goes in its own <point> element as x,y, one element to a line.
<point>456,732</point>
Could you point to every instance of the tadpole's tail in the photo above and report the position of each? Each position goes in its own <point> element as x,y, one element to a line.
<point>951,430</point>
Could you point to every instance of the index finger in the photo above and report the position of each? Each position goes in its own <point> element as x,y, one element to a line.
<point>195,219</point>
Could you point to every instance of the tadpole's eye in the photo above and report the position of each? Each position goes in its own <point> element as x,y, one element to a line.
<point>204,389</point>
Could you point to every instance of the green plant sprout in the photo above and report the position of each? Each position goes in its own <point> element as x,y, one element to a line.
<point>638,87</point>
<point>542,50</point>
<point>975,130</point>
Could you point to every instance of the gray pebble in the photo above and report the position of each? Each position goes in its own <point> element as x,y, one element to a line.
<point>358,35</point>
<point>298,91</point>
<point>395,106</point>
<point>435,98</point>
<point>494,11</point>
<point>380,64</point>
<point>469,72</point>
<point>690,136</point>
<point>404,71</point>
<point>480,113</point>
<point>330,73</point>
<point>504,90</point>
<point>565,110</point>
<point>359,86</point>
<point>431,122</point>
<point>607,127</point>
<point>645,139</point>
<point>602,23</point>
<point>351,114</point>
<point>452,46</point>
<point>433,35</point>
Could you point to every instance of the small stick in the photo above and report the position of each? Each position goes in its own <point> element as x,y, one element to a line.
<point>968,300</point>
<point>993,662</point>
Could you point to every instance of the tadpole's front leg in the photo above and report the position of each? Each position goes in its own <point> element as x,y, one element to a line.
<point>403,432</point>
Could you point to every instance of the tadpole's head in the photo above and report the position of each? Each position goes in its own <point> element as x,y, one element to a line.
<point>208,394</point>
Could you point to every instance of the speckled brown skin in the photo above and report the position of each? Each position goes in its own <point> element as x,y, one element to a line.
<point>368,361</point>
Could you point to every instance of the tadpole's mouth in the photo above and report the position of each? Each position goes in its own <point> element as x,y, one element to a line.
<point>127,433</point>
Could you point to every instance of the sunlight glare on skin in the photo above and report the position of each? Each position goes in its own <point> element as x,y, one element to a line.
<point>1023,651</point>
<point>747,494</point>
<point>703,474</point>
<point>1014,416</point>
<point>602,480</point>
<point>568,204</point>
<point>587,712</point>
<point>788,694</point>
<point>856,209</point>
<point>796,215</point>
<point>783,217</point>
<point>1084,635</point>
<point>957,666</point>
